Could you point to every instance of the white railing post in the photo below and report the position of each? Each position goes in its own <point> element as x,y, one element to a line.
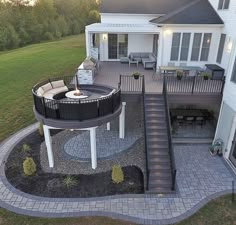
<point>93,147</point>
<point>48,142</point>
<point>122,121</point>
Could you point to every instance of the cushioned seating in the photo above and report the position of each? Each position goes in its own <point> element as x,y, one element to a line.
<point>147,59</point>
<point>50,89</point>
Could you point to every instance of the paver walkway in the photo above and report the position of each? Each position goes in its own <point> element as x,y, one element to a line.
<point>200,178</point>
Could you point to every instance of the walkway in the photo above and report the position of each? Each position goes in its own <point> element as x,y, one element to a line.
<point>200,178</point>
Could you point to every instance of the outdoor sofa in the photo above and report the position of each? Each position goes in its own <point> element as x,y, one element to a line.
<point>146,58</point>
<point>52,88</point>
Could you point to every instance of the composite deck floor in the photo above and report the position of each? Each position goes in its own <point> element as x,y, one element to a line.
<point>109,74</point>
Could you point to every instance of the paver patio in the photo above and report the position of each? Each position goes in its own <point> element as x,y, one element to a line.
<point>200,178</point>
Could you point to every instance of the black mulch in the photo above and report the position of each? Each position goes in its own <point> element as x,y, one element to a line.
<point>52,185</point>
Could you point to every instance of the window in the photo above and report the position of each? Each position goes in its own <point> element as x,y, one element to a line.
<point>205,47</point>
<point>175,46</point>
<point>185,46</point>
<point>233,78</point>
<point>117,45</point>
<point>223,4</point>
<point>196,46</point>
<point>221,48</point>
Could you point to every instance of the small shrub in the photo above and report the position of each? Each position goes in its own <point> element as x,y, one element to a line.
<point>40,130</point>
<point>117,174</point>
<point>70,181</point>
<point>29,166</point>
<point>179,74</point>
<point>25,148</point>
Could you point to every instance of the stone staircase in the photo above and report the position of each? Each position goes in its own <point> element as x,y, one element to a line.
<point>160,180</point>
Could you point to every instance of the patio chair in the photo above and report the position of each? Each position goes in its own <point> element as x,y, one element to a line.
<point>185,72</point>
<point>171,71</point>
<point>189,120</point>
<point>200,120</point>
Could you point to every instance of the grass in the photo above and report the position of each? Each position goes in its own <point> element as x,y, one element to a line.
<point>22,68</point>
<point>220,211</point>
<point>217,212</point>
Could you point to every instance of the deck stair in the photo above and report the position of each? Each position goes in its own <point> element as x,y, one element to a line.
<point>158,158</point>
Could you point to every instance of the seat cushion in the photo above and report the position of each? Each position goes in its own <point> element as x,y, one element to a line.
<point>47,87</point>
<point>57,84</point>
<point>48,96</point>
<point>58,90</point>
<point>40,92</point>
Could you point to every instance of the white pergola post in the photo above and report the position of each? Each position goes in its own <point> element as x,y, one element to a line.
<point>109,126</point>
<point>122,121</point>
<point>93,147</point>
<point>48,142</point>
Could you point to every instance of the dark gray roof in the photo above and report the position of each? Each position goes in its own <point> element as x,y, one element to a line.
<point>196,12</point>
<point>142,6</point>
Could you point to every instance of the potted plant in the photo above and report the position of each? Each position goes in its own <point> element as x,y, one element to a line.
<point>206,75</point>
<point>179,74</point>
<point>136,75</point>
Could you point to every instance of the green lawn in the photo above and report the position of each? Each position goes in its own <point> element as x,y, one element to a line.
<point>218,212</point>
<point>22,68</point>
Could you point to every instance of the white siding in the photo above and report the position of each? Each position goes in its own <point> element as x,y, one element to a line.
<point>229,97</point>
<point>140,43</point>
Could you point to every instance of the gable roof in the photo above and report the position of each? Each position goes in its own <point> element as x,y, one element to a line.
<point>142,6</point>
<point>196,12</point>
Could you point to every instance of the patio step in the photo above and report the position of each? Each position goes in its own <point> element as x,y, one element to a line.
<point>157,144</point>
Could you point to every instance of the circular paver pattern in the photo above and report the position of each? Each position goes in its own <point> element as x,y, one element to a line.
<point>200,178</point>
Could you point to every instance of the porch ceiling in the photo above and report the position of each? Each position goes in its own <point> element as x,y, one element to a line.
<point>121,28</point>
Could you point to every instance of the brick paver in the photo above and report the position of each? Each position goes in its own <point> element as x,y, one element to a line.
<point>200,178</point>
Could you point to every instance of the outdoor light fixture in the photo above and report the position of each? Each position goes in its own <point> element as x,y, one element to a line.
<point>208,40</point>
<point>104,37</point>
<point>168,32</point>
<point>229,45</point>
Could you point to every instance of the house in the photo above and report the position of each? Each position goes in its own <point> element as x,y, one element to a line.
<point>180,32</point>
<point>226,128</point>
<point>184,31</point>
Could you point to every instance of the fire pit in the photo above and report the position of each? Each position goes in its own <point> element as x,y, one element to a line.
<point>76,94</point>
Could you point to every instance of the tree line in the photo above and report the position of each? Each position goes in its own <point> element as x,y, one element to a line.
<point>23,23</point>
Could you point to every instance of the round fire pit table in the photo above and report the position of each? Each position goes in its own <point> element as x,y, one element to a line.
<point>72,95</point>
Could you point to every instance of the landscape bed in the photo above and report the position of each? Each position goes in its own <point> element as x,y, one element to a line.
<point>64,185</point>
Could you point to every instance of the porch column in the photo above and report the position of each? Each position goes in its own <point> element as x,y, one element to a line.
<point>87,38</point>
<point>122,121</point>
<point>48,142</point>
<point>160,50</point>
<point>109,126</point>
<point>93,147</point>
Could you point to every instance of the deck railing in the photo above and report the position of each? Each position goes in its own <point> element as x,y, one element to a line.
<point>193,85</point>
<point>130,84</point>
<point>171,152</point>
<point>80,110</point>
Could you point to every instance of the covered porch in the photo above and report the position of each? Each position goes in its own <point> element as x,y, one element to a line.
<point>111,42</point>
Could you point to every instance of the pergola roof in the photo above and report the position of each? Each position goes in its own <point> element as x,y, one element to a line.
<point>121,28</point>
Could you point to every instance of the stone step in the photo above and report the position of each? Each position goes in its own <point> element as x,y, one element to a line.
<point>160,128</point>
<point>158,152</point>
<point>160,190</point>
<point>162,168</point>
<point>157,140</point>
<point>158,175</point>
<point>154,104</point>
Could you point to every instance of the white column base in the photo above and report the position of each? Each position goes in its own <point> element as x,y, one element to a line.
<point>122,121</point>
<point>93,147</point>
<point>48,142</point>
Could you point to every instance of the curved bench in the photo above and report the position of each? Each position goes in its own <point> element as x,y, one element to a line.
<point>52,88</point>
